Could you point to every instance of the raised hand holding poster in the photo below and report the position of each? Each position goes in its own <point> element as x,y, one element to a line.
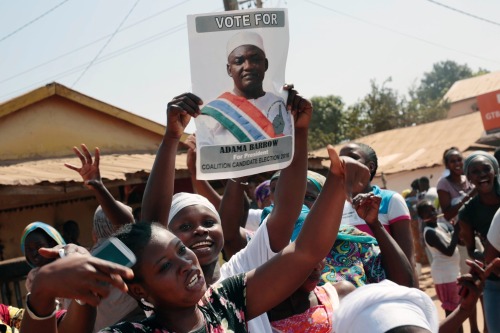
<point>238,62</point>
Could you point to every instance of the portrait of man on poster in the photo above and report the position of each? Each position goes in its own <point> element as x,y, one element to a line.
<point>247,113</point>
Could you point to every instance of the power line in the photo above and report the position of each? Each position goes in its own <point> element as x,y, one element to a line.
<point>104,58</point>
<point>91,43</point>
<point>106,44</point>
<point>464,13</point>
<point>32,21</point>
<point>108,56</point>
<point>401,33</point>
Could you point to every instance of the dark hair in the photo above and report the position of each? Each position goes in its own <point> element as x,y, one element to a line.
<point>447,152</point>
<point>136,236</point>
<point>371,156</point>
<point>423,180</point>
<point>414,184</point>
<point>71,231</point>
<point>421,205</point>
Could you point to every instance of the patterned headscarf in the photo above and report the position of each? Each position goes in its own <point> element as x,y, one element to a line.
<point>316,179</point>
<point>494,163</point>
<point>263,191</point>
<point>183,199</point>
<point>47,229</point>
<point>298,223</point>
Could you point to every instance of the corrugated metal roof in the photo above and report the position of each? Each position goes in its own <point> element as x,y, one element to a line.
<point>113,167</point>
<point>472,87</point>
<point>421,146</point>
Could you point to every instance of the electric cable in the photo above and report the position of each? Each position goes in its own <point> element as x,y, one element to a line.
<point>32,21</point>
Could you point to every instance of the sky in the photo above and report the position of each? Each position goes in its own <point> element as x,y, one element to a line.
<point>135,55</point>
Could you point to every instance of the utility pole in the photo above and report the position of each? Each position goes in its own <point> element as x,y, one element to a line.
<point>230,5</point>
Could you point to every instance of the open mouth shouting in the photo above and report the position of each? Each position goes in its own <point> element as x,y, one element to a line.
<point>195,280</point>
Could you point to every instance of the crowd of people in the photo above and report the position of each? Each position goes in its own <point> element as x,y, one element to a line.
<point>326,254</point>
<point>315,254</point>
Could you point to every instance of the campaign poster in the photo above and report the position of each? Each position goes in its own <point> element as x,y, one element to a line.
<point>238,62</point>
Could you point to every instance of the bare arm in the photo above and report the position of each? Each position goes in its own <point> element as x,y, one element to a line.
<point>289,194</point>
<point>468,238</point>
<point>160,186</point>
<point>395,263</point>
<point>291,186</point>
<point>402,234</point>
<point>434,240</point>
<point>278,278</point>
<point>231,213</point>
<point>117,214</point>
<point>201,187</point>
<point>449,210</point>
<point>78,319</point>
<point>490,253</point>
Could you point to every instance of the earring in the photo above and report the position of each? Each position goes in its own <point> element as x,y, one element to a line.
<point>146,306</point>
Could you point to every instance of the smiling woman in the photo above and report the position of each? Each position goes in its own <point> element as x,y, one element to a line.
<point>197,224</point>
<point>482,171</point>
<point>476,217</point>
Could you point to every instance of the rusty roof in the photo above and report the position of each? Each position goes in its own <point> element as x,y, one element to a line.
<point>421,146</point>
<point>52,170</point>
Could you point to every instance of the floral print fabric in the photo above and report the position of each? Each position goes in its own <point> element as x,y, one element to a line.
<point>317,319</point>
<point>355,257</point>
<point>223,307</point>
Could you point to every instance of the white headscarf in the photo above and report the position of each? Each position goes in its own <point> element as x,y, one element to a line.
<point>379,307</point>
<point>244,38</point>
<point>182,199</point>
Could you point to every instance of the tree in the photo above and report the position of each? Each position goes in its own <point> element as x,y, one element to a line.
<point>327,123</point>
<point>383,107</point>
<point>426,101</point>
<point>439,80</point>
<point>356,121</point>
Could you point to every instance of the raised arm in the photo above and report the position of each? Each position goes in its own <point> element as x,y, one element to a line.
<point>231,213</point>
<point>449,210</point>
<point>278,278</point>
<point>117,214</point>
<point>396,265</point>
<point>160,186</point>
<point>202,187</point>
<point>291,186</point>
<point>289,194</point>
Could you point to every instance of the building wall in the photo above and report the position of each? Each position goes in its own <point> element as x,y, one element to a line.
<point>50,128</point>
<point>462,107</point>
<point>402,180</point>
<point>13,222</point>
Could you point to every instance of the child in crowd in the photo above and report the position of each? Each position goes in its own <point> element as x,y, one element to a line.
<point>442,245</point>
<point>35,236</point>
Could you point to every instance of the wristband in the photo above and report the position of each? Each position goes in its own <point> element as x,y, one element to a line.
<point>33,316</point>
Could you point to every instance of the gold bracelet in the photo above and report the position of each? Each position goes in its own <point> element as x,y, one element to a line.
<point>33,316</point>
